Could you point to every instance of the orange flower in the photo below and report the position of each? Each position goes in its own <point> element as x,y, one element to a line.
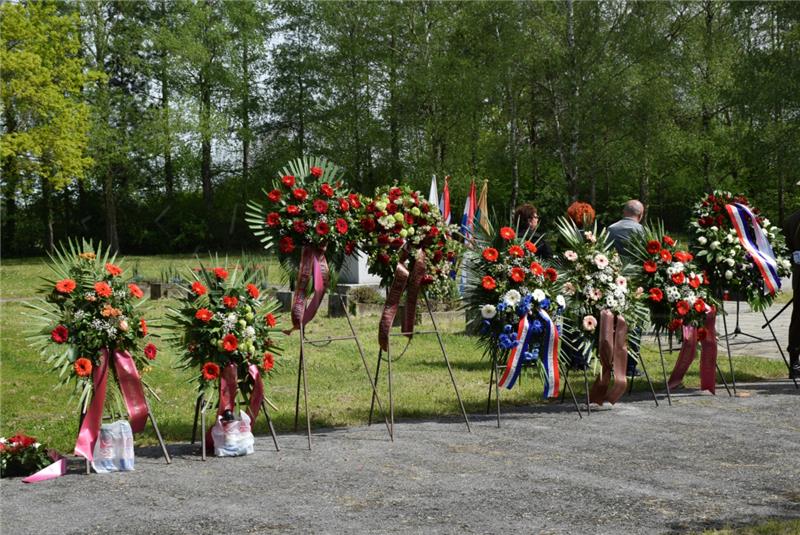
<point>220,273</point>
<point>252,289</point>
<point>516,250</point>
<point>537,269</point>
<point>270,320</point>
<point>83,367</point>
<point>230,301</point>
<point>230,343</point>
<point>65,286</point>
<point>143,327</point>
<point>110,312</point>
<point>490,254</point>
<point>102,289</point>
<point>210,371</point>
<point>204,315</point>
<point>113,270</point>
<point>198,288</point>
<point>517,274</point>
<point>488,283</point>
<point>269,361</point>
<point>135,291</point>
<point>508,233</point>
<point>531,247</point>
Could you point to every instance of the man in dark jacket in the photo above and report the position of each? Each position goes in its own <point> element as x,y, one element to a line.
<point>791,229</point>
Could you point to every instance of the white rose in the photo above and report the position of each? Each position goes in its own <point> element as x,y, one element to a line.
<point>730,262</point>
<point>714,229</point>
<point>702,240</point>
<point>714,245</point>
<point>411,231</point>
<point>729,274</point>
<point>380,205</point>
<point>488,312</point>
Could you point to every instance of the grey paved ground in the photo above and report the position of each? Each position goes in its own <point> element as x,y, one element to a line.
<point>634,468</point>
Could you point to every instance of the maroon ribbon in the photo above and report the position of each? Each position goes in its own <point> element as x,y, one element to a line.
<point>403,280</point>
<point>132,392</point>
<point>613,356</point>
<point>708,355</point>
<point>313,266</point>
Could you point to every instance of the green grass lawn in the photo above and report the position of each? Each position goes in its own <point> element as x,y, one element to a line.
<point>30,400</point>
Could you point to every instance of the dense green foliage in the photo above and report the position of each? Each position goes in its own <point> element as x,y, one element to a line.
<point>201,102</point>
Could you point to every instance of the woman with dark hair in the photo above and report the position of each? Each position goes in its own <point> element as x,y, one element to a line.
<point>526,219</point>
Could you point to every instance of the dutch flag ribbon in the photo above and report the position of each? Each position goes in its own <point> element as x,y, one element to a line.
<point>755,243</point>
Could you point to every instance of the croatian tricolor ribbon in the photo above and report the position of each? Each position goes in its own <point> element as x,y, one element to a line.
<point>752,239</point>
<point>132,391</point>
<point>515,361</point>
<point>708,354</point>
<point>549,356</point>
<point>313,267</point>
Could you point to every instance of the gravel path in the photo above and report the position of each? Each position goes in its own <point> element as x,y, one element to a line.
<point>634,468</point>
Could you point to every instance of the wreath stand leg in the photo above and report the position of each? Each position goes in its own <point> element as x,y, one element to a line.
<point>585,386</point>
<point>780,349</point>
<point>647,376</point>
<point>301,374</point>
<point>494,375</point>
<point>663,368</point>
<point>728,347</point>
<point>737,331</point>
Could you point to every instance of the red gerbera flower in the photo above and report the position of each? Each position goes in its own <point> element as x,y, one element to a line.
<point>230,301</point>
<point>252,289</point>
<point>150,351</point>
<point>341,226</point>
<point>60,334</point>
<point>288,181</point>
<point>694,282</point>
<point>653,247</point>
<point>230,343</point>
<point>320,206</point>
<point>678,278</point>
<point>344,206</point>
<point>700,305</point>
<point>65,286</point>
<point>143,326</point>
<point>316,172</point>
<point>274,195</point>
<point>675,324</point>
<point>490,254</point>
<point>354,200</point>
<point>516,250</point>
<point>113,270</point>
<point>323,228</point>
<point>326,189</point>
<point>83,367</point>
<point>270,320</point>
<point>551,274</point>
<point>517,274</point>
<point>102,289</point>
<point>299,226</point>
<point>198,288</point>
<point>204,315</point>
<point>210,371</point>
<point>650,266</point>
<point>537,269</point>
<point>300,194</point>
<point>656,295</point>
<point>668,240</point>
<point>682,256</point>
<point>135,291</point>
<point>507,233</point>
<point>666,256</point>
<point>488,283</point>
<point>269,361</point>
<point>273,219</point>
<point>220,273</point>
<point>531,247</point>
<point>682,307</point>
<point>292,209</point>
<point>286,245</point>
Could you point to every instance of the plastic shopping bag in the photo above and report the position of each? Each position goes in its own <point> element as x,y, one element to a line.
<point>113,451</point>
<point>233,438</point>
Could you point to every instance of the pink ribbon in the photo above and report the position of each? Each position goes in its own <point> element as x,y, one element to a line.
<point>313,266</point>
<point>257,394</point>
<point>51,471</point>
<point>708,355</point>
<point>132,392</point>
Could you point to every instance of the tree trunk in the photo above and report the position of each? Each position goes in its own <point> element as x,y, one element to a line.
<point>513,136</point>
<point>245,121</point>
<point>112,236</point>
<point>47,212</point>
<point>706,112</point>
<point>169,168</point>
<point>394,128</point>
<point>205,148</point>
<point>572,178</point>
<point>301,125</point>
<point>10,178</point>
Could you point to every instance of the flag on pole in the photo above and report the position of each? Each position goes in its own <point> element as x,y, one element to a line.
<point>444,202</point>
<point>468,218</point>
<point>433,196</point>
<point>482,210</point>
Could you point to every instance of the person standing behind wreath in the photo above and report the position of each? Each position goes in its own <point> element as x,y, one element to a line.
<point>526,218</point>
<point>791,229</point>
<point>620,234</point>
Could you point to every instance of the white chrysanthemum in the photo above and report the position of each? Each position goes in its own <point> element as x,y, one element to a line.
<point>611,301</point>
<point>512,298</point>
<point>539,295</point>
<point>79,314</point>
<point>249,332</point>
<point>673,294</point>
<point>488,312</point>
<point>675,267</point>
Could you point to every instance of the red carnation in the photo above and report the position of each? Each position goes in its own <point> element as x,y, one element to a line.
<point>286,244</point>
<point>322,228</point>
<point>666,256</point>
<point>508,233</point>
<point>678,278</point>
<point>650,266</point>
<point>198,288</point>
<point>220,273</point>
<point>150,351</point>
<point>653,247</point>
<point>204,315</point>
<point>316,172</point>
<point>391,208</point>
<point>516,250</point>
<point>537,269</point>
<point>682,307</point>
<point>488,283</point>
<point>102,289</point>
<point>434,231</point>
<point>384,258</point>
<point>667,240</point>
<point>113,270</point>
<point>656,295</point>
<point>354,200</point>
<point>273,219</point>
<point>270,320</point>
<point>344,206</point>
<point>490,254</point>
<point>230,301</point>
<point>60,334</point>
<point>252,289</point>
<point>288,181</point>
<point>210,371</point>
<point>292,209</point>
<point>320,206</point>
<point>274,195</point>
<point>341,226</point>
<point>437,256</point>
<point>426,279</point>
<point>397,243</point>
<point>551,274</point>
<point>395,192</point>
<point>269,361</point>
<point>300,194</point>
<point>230,343</point>
<point>383,239</point>
<point>700,305</point>
<point>368,224</point>
<point>531,247</point>
<point>409,219</point>
<point>135,291</point>
<point>65,286</point>
<point>326,190</point>
<point>517,274</point>
<point>299,226</point>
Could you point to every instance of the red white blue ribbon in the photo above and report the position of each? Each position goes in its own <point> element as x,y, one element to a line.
<point>755,243</point>
<point>549,356</point>
<point>514,362</point>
